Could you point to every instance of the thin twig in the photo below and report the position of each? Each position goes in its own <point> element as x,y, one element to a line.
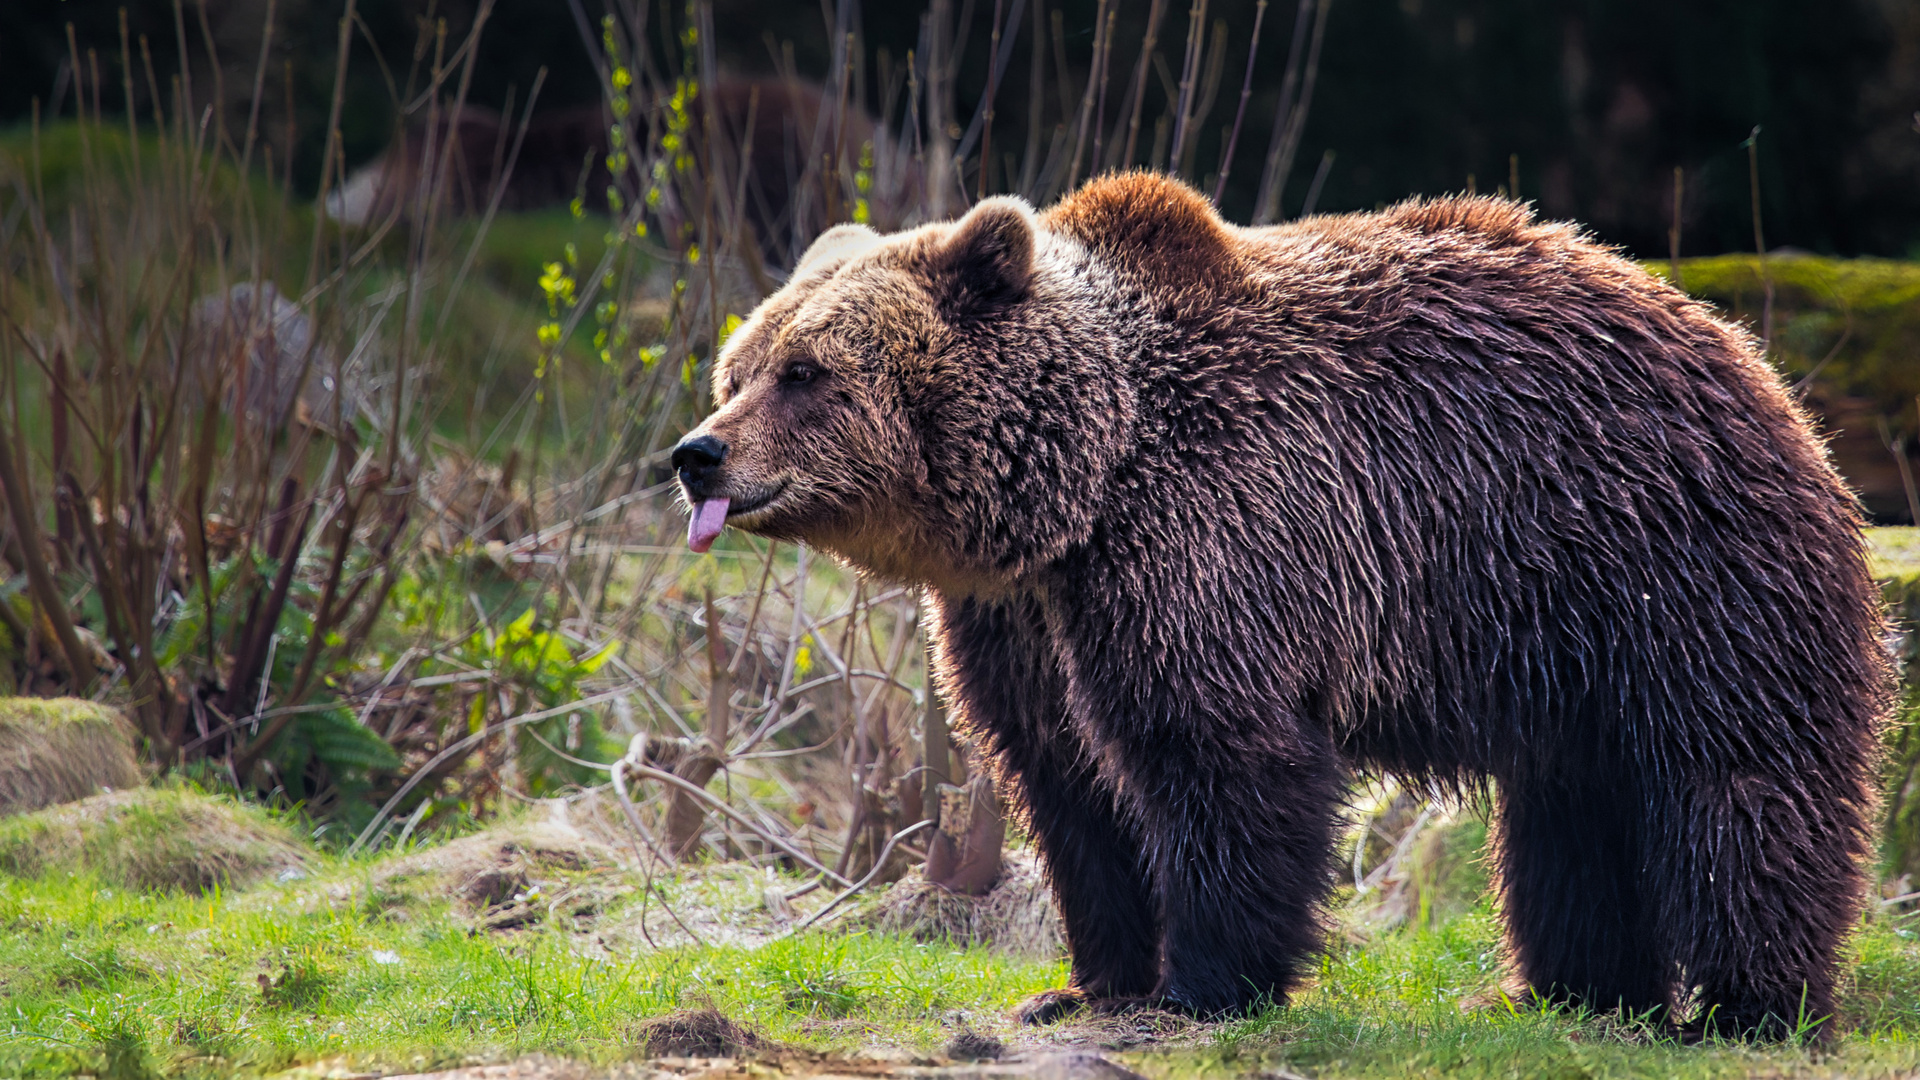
<point>879,864</point>
<point>467,744</point>
<point>1240,114</point>
<point>1087,98</point>
<point>1290,117</point>
<point>719,804</point>
<point>993,84</point>
<point>1189,71</point>
<point>1760,241</point>
<point>1155,12</point>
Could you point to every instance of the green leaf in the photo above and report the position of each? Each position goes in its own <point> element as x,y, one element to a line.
<point>593,663</point>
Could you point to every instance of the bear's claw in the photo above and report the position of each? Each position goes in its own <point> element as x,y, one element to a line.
<point>1054,1005</point>
<point>1049,1006</point>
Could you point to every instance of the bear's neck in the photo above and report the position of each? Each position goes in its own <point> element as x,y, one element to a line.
<point>1019,455</point>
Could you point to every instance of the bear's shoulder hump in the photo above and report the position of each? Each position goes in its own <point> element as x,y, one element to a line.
<point>1148,221</point>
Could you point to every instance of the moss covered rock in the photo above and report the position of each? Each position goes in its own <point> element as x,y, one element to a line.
<point>157,839</point>
<point>57,750</point>
<point>1846,334</point>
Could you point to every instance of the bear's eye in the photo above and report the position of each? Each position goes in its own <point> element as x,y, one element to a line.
<point>800,371</point>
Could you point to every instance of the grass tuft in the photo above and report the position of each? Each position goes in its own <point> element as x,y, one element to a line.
<point>57,750</point>
<point>158,839</point>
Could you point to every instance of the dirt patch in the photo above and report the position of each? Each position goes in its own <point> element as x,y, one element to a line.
<point>58,750</point>
<point>1135,1030</point>
<point>973,1046</point>
<point>533,1067</point>
<point>1071,1065</point>
<point>1016,918</point>
<point>567,866</point>
<point>151,838</point>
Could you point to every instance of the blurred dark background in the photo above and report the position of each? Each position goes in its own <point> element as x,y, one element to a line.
<point>1599,100</point>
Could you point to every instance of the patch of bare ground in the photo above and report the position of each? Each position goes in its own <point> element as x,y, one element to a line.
<point>1063,1065</point>
<point>572,865</point>
<point>568,867</point>
<point>575,860</point>
<point>1135,1030</point>
<point>704,1044</point>
<point>508,877</point>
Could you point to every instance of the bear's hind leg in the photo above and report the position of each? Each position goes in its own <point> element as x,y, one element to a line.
<point>1758,882</point>
<point>1569,869</point>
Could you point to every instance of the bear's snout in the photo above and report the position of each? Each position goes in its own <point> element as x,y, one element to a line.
<point>697,460</point>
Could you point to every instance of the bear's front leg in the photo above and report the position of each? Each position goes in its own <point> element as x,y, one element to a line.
<point>997,662</point>
<point>1242,836</point>
<point>1234,794</point>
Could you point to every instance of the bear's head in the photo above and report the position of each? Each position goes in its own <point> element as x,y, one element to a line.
<point>939,406</point>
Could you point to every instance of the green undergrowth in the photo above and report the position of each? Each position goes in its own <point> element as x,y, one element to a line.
<point>480,369</point>
<point>1852,324</point>
<point>349,965</point>
<point>1896,565</point>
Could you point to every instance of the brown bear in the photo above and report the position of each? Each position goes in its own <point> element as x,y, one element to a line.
<point>1210,518</point>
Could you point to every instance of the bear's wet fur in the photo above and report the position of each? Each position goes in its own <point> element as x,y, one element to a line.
<point>1211,518</point>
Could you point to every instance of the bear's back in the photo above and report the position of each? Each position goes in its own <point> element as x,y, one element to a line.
<point>1374,422</point>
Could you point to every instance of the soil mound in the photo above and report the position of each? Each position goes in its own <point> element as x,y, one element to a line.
<point>153,839</point>
<point>1016,917</point>
<point>58,750</point>
<point>973,1046</point>
<point>511,875</point>
<point>696,1033</point>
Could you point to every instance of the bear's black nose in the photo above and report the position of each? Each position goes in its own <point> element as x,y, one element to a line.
<point>696,459</point>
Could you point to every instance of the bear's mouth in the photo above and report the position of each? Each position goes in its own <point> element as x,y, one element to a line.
<point>745,507</point>
<point>710,516</point>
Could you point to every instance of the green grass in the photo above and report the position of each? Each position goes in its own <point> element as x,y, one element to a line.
<point>341,966</point>
<point>1429,1004</point>
<point>101,979</point>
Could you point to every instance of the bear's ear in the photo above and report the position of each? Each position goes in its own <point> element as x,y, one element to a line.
<point>987,262</point>
<point>836,245</point>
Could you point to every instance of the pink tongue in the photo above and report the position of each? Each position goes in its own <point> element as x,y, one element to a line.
<point>709,517</point>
